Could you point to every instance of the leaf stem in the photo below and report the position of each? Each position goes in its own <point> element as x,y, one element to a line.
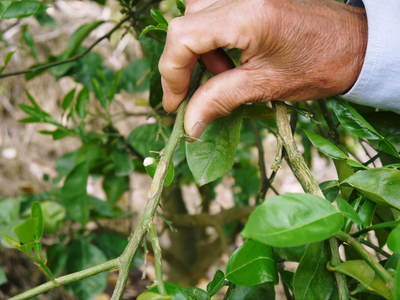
<point>108,265</point>
<point>370,259</point>
<point>157,259</point>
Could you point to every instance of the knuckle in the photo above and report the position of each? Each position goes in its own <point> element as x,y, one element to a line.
<point>176,28</point>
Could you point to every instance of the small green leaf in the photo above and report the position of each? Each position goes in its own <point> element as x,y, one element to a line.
<point>53,215</point>
<point>353,121</point>
<point>115,187</point>
<point>68,99</point>
<point>397,283</point>
<point>263,291</point>
<point>216,284</point>
<point>361,271</point>
<point>158,17</point>
<point>325,146</point>
<point>28,39</point>
<point>312,281</point>
<point>380,185</point>
<point>180,4</point>
<point>251,264</point>
<point>6,60</point>
<point>81,102</point>
<point>152,296</point>
<point>393,240</point>
<point>73,193</point>
<point>292,220</point>
<point>150,28</point>
<point>37,216</point>
<point>145,139</point>
<point>22,9</point>
<point>348,211</point>
<point>122,162</point>
<point>26,231</point>
<point>213,155</point>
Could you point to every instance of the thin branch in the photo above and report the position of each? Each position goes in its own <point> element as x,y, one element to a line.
<point>71,59</point>
<point>371,260</point>
<point>107,266</point>
<point>307,181</point>
<point>377,249</point>
<point>389,224</point>
<point>157,259</point>
<point>156,189</point>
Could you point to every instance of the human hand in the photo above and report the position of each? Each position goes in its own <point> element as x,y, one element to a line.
<point>291,50</point>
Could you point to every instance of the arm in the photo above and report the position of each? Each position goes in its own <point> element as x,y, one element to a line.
<point>378,84</point>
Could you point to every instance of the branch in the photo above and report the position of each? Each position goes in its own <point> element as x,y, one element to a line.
<point>204,220</point>
<point>157,259</point>
<point>389,224</point>
<point>156,189</point>
<point>71,59</point>
<point>107,266</point>
<point>307,181</point>
<point>372,261</point>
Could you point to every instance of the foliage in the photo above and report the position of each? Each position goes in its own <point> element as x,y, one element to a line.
<point>299,227</point>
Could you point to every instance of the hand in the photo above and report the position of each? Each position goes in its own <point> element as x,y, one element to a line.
<point>291,50</point>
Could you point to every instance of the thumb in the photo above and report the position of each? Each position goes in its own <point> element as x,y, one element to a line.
<point>218,97</point>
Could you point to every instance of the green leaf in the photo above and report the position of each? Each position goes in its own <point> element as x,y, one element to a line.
<point>136,75</point>
<point>73,193</point>
<point>6,60</point>
<point>348,211</point>
<point>312,281</point>
<point>152,296</point>
<point>263,291</point>
<point>3,277</point>
<point>78,37</point>
<point>180,4</point>
<point>145,138</point>
<point>81,102</point>
<point>216,284</point>
<point>353,121</point>
<point>393,240</point>
<point>293,220</point>
<point>213,155</point>
<point>122,162</point>
<point>69,97</point>
<point>158,17</point>
<point>37,216</point>
<point>9,214</point>
<point>22,9</point>
<point>325,146</point>
<point>105,209</point>
<point>28,39</point>
<point>361,271</point>
<point>53,215</point>
<point>82,255</point>
<point>115,187</point>
<point>251,264</point>
<point>380,185</point>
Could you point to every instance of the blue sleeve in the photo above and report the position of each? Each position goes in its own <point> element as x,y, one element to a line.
<point>378,84</point>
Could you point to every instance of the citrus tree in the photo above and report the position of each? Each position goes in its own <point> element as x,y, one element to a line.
<point>343,235</point>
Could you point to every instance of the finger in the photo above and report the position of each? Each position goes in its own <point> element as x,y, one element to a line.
<point>187,38</point>
<point>218,97</point>
<point>217,61</point>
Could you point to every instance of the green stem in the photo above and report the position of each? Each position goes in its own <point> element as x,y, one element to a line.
<point>372,246</point>
<point>156,189</point>
<point>157,259</point>
<point>370,259</point>
<point>153,201</point>
<point>390,224</point>
<point>307,181</point>
<point>111,264</point>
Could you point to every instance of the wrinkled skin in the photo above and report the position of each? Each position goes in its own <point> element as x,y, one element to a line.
<point>292,50</point>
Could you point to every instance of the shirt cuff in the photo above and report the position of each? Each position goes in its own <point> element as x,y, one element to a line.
<point>378,84</point>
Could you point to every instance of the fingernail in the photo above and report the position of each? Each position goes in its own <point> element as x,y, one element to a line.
<point>196,131</point>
